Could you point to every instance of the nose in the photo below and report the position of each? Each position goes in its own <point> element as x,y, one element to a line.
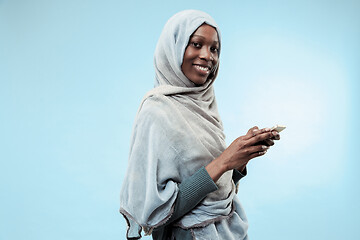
<point>206,54</point>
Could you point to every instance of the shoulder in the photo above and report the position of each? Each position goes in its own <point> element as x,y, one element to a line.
<point>159,116</point>
<point>156,109</point>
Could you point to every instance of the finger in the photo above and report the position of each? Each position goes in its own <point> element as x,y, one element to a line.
<point>257,154</point>
<point>252,132</point>
<point>276,135</point>
<point>260,131</point>
<point>256,149</point>
<point>259,137</point>
<point>263,130</point>
<point>268,142</point>
<point>255,128</point>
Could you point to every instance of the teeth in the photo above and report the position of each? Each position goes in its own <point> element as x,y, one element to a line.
<point>206,69</point>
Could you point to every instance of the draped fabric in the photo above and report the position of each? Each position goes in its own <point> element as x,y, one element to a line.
<point>177,130</point>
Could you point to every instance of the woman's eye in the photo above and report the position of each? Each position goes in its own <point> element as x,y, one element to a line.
<point>214,49</point>
<point>197,45</point>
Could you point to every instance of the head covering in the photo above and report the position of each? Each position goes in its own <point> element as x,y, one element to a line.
<point>171,47</point>
<point>177,131</point>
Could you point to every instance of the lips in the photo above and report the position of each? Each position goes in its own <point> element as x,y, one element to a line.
<point>202,68</point>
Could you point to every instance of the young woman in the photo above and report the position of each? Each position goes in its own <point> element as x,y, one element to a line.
<point>181,179</point>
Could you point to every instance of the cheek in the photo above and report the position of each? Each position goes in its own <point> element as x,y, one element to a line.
<point>189,54</point>
<point>187,61</point>
<point>185,67</point>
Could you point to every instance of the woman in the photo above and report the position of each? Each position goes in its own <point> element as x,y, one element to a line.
<point>180,181</point>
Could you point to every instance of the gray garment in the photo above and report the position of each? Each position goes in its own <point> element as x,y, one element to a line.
<point>177,131</point>
<point>191,192</point>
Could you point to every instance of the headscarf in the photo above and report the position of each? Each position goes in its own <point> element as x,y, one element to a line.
<point>177,131</point>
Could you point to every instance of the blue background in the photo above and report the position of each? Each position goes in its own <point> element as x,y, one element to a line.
<point>72,74</point>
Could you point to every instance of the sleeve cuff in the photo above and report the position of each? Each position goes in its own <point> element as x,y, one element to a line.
<point>198,185</point>
<point>237,175</point>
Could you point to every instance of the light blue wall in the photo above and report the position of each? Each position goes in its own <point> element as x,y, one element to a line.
<point>72,74</point>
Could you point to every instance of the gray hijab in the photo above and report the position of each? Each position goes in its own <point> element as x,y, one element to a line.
<point>177,131</point>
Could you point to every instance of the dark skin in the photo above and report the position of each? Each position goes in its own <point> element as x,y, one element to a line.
<point>200,57</point>
<point>254,144</point>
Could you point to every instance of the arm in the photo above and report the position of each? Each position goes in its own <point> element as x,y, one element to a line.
<point>191,191</point>
<point>195,188</point>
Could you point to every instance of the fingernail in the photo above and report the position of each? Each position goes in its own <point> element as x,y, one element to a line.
<point>265,147</point>
<point>267,129</point>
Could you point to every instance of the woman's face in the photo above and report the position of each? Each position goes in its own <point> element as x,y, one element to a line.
<point>201,54</point>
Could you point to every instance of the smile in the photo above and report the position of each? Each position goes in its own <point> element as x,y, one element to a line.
<point>202,68</point>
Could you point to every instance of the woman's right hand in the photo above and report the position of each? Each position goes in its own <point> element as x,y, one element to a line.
<point>241,151</point>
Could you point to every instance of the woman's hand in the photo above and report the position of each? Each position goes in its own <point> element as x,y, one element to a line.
<point>254,144</point>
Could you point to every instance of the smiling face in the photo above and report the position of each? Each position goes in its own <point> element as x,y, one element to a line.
<point>201,54</point>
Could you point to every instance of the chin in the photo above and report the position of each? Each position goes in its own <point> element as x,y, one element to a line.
<point>199,81</point>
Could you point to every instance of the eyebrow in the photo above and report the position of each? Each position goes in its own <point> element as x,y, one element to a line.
<point>201,37</point>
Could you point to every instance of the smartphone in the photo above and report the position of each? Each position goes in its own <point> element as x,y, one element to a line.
<point>278,128</point>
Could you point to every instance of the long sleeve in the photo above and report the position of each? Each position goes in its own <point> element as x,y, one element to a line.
<point>191,191</point>
<point>194,189</point>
